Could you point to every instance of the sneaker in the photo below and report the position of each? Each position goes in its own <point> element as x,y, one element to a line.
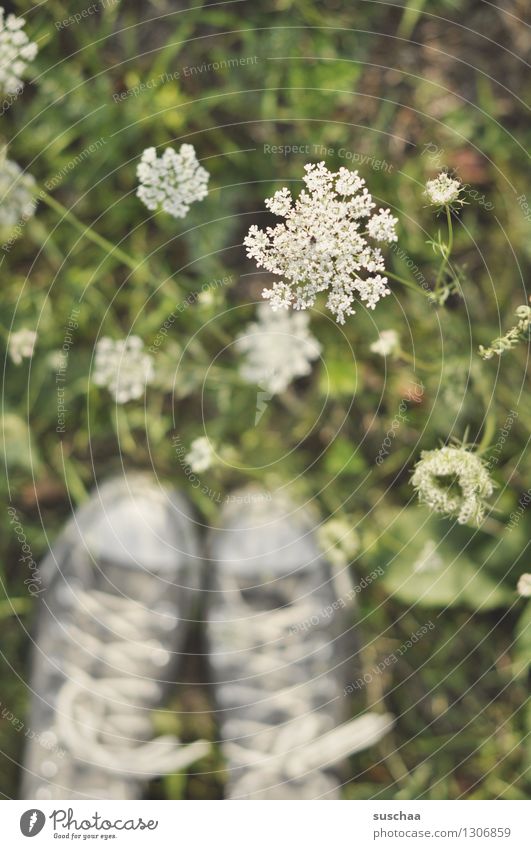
<point>119,587</point>
<point>279,651</point>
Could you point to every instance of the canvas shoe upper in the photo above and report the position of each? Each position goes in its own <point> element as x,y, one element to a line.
<point>119,589</point>
<point>280,653</point>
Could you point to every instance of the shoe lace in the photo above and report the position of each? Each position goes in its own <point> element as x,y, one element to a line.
<point>262,753</point>
<point>104,720</point>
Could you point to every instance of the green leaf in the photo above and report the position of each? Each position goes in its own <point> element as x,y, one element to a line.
<point>17,448</point>
<point>340,377</point>
<point>430,563</point>
<point>522,649</point>
<point>341,457</point>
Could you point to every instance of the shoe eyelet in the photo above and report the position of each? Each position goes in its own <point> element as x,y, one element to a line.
<point>43,792</point>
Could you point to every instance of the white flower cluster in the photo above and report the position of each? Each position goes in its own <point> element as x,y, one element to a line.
<point>454,482</point>
<point>443,190</point>
<point>200,455</point>
<point>21,345</point>
<point>322,245</point>
<point>172,182</point>
<point>519,333</point>
<point>123,367</point>
<point>17,195</point>
<point>523,587</point>
<point>338,541</point>
<point>386,344</point>
<point>277,348</point>
<point>16,50</point>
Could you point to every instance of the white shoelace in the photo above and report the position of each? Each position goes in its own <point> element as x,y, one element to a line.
<point>101,720</point>
<point>301,747</point>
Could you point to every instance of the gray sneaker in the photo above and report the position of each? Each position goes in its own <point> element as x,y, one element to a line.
<point>279,651</point>
<point>119,587</point>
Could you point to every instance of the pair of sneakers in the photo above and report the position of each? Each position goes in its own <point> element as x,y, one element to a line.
<point>121,588</point>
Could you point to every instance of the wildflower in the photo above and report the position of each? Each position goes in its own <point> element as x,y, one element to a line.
<point>57,360</point>
<point>323,243</point>
<point>519,333</point>
<point>123,367</point>
<point>386,344</point>
<point>523,586</point>
<point>22,344</point>
<point>443,190</point>
<point>17,195</point>
<point>278,348</point>
<point>338,541</point>
<point>16,50</point>
<point>201,455</point>
<point>381,227</point>
<point>172,182</point>
<point>454,482</point>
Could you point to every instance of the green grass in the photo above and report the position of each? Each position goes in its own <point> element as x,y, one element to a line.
<point>328,75</point>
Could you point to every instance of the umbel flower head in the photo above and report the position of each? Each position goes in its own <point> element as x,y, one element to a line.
<point>200,455</point>
<point>455,482</point>
<point>324,243</point>
<point>16,50</point>
<point>523,587</point>
<point>443,190</point>
<point>173,181</point>
<point>339,541</point>
<point>17,195</point>
<point>386,344</point>
<point>519,333</point>
<point>123,367</point>
<point>21,345</point>
<point>277,349</point>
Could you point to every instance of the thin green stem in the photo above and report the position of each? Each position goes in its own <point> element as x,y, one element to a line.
<point>408,283</point>
<point>14,607</point>
<point>448,250</point>
<point>488,433</point>
<point>89,233</point>
<point>122,430</point>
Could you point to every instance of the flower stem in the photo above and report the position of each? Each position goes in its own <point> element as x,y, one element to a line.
<point>488,433</point>
<point>448,250</point>
<point>408,283</point>
<point>14,607</point>
<point>89,233</point>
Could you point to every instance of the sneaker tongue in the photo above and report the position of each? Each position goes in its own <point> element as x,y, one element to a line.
<point>134,533</point>
<point>266,545</point>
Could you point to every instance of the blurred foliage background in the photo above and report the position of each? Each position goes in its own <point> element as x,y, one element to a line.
<point>398,91</point>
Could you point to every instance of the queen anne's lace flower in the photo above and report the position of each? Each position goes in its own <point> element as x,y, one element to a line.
<point>381,227</point>
<point>454,482</point>
<point>277,348</point>
<point>22,344</point>
<point>16,50</point>
<point>443,190</point>
<point>338,541</point>
<point>172,182</point>
<point>17,195</point>
<point>520,333</point>
<point>523,586</point>
<point>322,244</point>
<point>200,455</point>
<point>387,343</point>
<point>123,367</point>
